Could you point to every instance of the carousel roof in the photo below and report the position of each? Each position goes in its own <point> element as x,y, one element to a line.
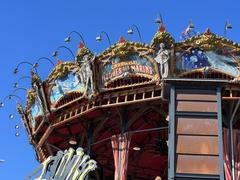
<point>126,72</point>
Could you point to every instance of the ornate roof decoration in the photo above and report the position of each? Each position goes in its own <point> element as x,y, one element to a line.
<point>82,51</point>
<point>123,48</point>
<point>61,70</point>
<point>162,36</point>
<point>35,78</point>
<point>20,110</point>
<point>31,95</point>
<point>208,41</point>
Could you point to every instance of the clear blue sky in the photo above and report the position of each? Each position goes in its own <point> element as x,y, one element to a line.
<point>32,29</point>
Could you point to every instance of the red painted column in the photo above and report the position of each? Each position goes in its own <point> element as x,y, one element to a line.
<point>120,146</point>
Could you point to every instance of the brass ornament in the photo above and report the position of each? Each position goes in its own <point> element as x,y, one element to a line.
<point>82,52</point>
<point>207,41</point>
<point>162,37</point>
<point>123,49</point>
<point>31,96</point>
<point>61,70</point>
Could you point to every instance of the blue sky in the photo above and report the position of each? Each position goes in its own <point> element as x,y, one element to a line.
<point>32,29</point>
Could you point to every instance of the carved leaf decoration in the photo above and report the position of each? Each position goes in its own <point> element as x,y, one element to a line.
<point>31,95</point>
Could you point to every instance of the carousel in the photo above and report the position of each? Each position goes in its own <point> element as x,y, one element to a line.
<point>164,110</point>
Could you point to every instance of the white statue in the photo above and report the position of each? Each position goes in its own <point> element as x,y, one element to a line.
<point>86,74</point>
<point>162,58</point>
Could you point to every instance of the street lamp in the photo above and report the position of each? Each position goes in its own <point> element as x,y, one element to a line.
<point>43,58</point>
<point>17,89</point>
<point>227,26</point>
<point>16,70</point>
<point>159,20</point>
<point>131,31</point>
<point>191,25</point>
<point>16,84</point>
<point>55,53</point>
<point>10,96</point>
<point>99,37</point>
<point>68,38</point>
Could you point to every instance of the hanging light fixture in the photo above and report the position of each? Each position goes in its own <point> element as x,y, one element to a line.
<point>15,71</point>
<point>67,39</point>
<point>15,85</point>
<point>191,25</point>
<point>136,148</point>
<point>17,126</point>
<point>55,54</point>
<point>228,25</point>
<point>130,31</point>
<point>11,116</point>
<point>17,134</point>
<point>72,141</point>
<point>1,104</point>
<point>159,20</point>
<point>99,38</point>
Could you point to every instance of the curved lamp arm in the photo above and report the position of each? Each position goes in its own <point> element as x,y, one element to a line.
<point>10,96</point>
<point>24,62</point>
<point>17,89</point>
<point>45,58</point>
<point>130,31</point>
<point>55,54</point>
<point>16,84</point>
<point>68,39</point>
<point>99,38</point>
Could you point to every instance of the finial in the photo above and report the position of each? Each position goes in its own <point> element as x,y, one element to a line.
<point>207,32</point>
<point>59,62</point>
<point>161,28</point>
<point>35,78</point>
<point>121,40</point>
<point>81,45</point>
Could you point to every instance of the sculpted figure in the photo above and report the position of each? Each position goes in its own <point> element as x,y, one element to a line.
<point>86,74</point>
<point>162,58</point>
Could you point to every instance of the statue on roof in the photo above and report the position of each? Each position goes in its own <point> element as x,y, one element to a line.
<point>86,73</point>
<point>162,58</point>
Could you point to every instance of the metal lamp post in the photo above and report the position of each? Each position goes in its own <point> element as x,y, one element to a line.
<point>16,70</point>
<point>41,59</point>
<point>226,27</point>
<point>131,31</point>
<point>69,37</point>
<point>16,84</point>
<point>55,53</point>
<point>99,37</point>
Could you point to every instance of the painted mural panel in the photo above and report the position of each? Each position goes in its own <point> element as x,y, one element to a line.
<point>36,111</point>
<point>123,67</point>
<point>196,59</point>
<point>65,85</point>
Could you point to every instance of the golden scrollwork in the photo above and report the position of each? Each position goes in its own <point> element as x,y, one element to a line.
<point>123,49</point>
<point>162,37</point>
<point>61,70</point>
<point>20,110</point>
<point>82,52</point>
<point>207,41</point>
<point>31,95</point>
<point>35,78</point>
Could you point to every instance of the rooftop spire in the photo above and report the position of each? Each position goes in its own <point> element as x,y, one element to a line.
<point>161,28</point>
<point>81,45</point>
<point>208,32</point>
<point>121,40</point>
